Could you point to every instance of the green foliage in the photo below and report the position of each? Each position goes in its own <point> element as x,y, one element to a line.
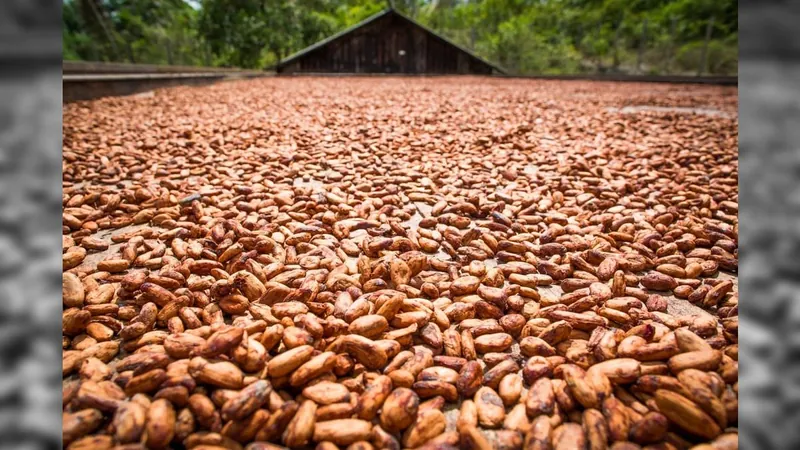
<point>521,46</point>
<point>349,13</point>
<point>524,36</point>
<point>572,36</point>
<point>721,57</point>
<point>135,31</point>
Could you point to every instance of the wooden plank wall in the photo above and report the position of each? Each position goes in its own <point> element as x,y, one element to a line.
<point>388,45</point>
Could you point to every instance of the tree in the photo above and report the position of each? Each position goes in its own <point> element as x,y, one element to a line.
<point>152,31</point>
<point>526,36</point>
<point>249,33</point>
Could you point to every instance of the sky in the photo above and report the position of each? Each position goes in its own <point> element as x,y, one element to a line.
<point>193,3</point>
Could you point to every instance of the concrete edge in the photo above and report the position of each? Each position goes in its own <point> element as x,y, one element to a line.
<point>137,76</point>
<point>92,67</point>
<point>95,86</point>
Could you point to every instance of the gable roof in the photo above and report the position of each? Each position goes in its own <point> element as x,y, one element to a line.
<point>372,18</point>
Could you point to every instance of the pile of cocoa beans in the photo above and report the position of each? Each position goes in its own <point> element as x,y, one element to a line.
<point>390,263</point>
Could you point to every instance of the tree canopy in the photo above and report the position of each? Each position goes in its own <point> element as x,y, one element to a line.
<point>524,36</point>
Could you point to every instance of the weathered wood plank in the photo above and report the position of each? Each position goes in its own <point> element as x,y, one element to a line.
<point>390,43</point>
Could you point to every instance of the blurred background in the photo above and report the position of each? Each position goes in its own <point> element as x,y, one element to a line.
<point>656,37</point>
<point>30,224</point>
<point>769,170</point>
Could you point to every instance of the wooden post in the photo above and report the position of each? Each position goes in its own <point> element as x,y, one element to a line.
<point>181,53</point>
<point>206,55</point>
<point>615,63</point>
<point>641,47</point>
<point>598,55</point>
<point>671,49</point>
<point>95,54</point>
<point>558,41</point>
<point>129,48</point>
<point>169,51</point>
<point>704,54</point>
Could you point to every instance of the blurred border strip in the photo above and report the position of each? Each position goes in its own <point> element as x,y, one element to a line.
<point>768,30</point>
<point>769,61</point>
<point>30,135</point>
<point>31,48</point>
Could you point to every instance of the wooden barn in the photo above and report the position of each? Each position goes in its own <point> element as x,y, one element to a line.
<point>387,42</point>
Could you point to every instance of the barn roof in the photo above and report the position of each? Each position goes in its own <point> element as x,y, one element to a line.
<point>372,18</point>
